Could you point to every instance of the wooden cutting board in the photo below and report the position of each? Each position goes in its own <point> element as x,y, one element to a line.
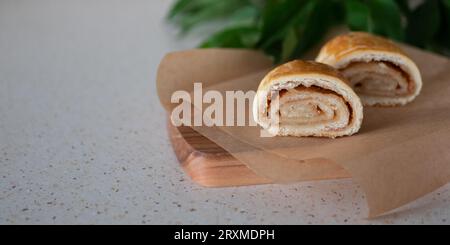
<point>209,165</point>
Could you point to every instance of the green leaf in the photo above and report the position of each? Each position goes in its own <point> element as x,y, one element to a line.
<point>276,16</point>
<point>424,23</point>
<point>235,37</point>
<point>357,15</point>
<point>182,8</point>
<point>309,24</point>
<point>404,6</point>
<point>285,29</point>
<point>444,32</point>
<point>446,4</point>
<point>277,37</point>
<point>178,8</point>
<point>289,44</point>
<point>385,19</point>
<point>315,22</point>
<point>196,12</point>
<point>246,15</point>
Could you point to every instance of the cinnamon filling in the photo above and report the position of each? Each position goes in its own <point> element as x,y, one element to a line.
<point>378,78</point>
<point>313,107</point>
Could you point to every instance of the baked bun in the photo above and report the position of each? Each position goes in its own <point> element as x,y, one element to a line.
<point>305,98</point>
<point>377,69</point>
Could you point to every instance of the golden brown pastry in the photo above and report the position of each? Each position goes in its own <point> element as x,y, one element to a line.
<point>305,98</point>
<point>378,70</point>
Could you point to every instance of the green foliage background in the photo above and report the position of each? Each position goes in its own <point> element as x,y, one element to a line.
<point>285,29</point>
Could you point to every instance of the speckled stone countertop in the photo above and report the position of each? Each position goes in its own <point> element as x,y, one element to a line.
<point>83,139</point>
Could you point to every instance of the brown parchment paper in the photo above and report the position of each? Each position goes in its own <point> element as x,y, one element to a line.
<point>399,155</point>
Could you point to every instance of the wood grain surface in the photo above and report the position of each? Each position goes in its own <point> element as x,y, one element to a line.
<point>207,163</point>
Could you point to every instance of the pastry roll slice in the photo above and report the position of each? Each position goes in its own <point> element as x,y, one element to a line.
<point>377,69</point>
<point>302,98</point>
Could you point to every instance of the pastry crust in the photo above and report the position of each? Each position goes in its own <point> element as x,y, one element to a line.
<point>308,84</point>
<point>359,47</point>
